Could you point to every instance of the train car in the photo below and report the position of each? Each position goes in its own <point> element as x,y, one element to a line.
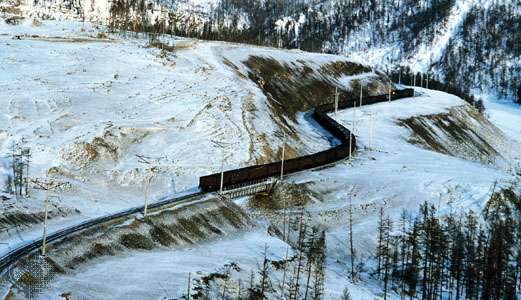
<point>255,173</point>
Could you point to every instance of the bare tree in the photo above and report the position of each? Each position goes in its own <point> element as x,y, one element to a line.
<point>310,259</point>
<point>387,254</point>
<point>320,266</point>
<point>20,160</point>
<point>380,246</point>
<point>351,248</point>
<point>346,295</point>
<point>295,284</point>
<point>264,272</point>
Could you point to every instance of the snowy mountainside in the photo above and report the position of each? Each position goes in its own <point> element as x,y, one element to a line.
<point>103,111</point>
<point>105,114</point>
<point>387,172</point>
<point>449,39</point>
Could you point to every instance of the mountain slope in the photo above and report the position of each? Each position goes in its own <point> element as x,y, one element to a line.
<point>103,115</point>
<point>450,39</point>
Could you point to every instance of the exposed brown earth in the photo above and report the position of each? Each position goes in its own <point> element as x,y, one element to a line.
<point>461,132</point>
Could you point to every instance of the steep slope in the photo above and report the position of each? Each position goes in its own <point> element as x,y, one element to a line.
<point>88,104</point>
<point>461,132</point>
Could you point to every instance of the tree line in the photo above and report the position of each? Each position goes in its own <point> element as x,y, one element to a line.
<point>425,255</point>
<point>483,54</point>
<point>459,256</point>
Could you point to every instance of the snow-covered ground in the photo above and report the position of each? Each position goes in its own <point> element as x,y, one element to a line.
<point>400,175</point>
<point>387,172</point>
<point>506,115</point>
<point>88,105</point>
<point>164,274</point>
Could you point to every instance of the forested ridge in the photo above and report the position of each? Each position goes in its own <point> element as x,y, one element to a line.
<point>472,44</point>
<point>481,54</point>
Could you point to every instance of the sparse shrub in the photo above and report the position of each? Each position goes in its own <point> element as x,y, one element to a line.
<point>136,241</point>
<point>102,35</point>
<point>346,295</point>
<point>14,20</point>
<point>480,106</point>
<point>36,23</point>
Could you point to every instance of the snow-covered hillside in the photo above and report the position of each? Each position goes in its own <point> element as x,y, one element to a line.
<point>102,115</point>
<point>426,36</point>
<point>388,172</point>
<point>105,112</point>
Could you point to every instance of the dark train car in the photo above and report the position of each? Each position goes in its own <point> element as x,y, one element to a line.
<point>255,173</point>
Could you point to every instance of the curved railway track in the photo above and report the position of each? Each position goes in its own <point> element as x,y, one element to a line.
<point>243,176</point>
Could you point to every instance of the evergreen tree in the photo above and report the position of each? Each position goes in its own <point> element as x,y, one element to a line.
<point>380,246</point>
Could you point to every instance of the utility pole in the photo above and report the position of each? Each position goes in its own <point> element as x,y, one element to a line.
<point>285,216</point>
<point>352,131</point>
<point>222,174</point>
<point>223,146</point>
<point>149,172</point>
<point>390,90</point>
<point>44,241</point>
<point>414,84</point>
<point>282,161</point>
<point>148,179</point>
<point>361,95</point>
<point>370,130</point>
<point>421,80</point>
<point>46,186</point>
<point>336,100</point>
<point>188,290</point>
<point>350,144</point>
<point>400,77</point>
<point>354,117</point>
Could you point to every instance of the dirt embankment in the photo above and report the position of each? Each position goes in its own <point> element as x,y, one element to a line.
<point>107,148</point>
<point>17,214</point>
<point>293,86</point>
<point>179,226</point>
<point>296,86</point>
<point>283,204</point>
<point>282,195</point>
<point>461,132</point>
<point>185,225</point>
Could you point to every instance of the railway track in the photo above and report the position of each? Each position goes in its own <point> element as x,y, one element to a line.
<point>10,258</point>
<point>239,177</point>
